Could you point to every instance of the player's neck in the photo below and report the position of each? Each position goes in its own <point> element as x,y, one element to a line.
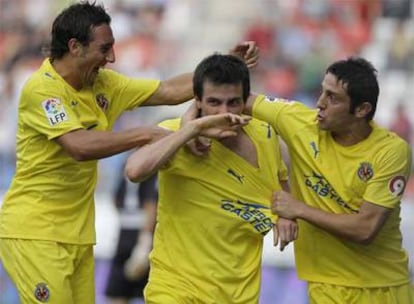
<point>67,71</point>
<point>353,135</point>
<point>233,142</point>
<point>243,146</point>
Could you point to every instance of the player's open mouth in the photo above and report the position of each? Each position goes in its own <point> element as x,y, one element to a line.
<point>320,117</point>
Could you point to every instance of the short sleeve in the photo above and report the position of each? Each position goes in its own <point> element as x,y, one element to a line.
<point>392,167</point>
<point>48,112</point>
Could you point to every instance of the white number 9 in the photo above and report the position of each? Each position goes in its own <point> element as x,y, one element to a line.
<point>397,185</point>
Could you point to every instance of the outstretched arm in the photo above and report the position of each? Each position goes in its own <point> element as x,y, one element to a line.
<point>247,51</point>
<point>85,145</point>
<point>361,227</point>
<point>137,264</point>
<point>248,109</point>
<point>179,89</point>
<point>284,230</point>
<point>148,159</point>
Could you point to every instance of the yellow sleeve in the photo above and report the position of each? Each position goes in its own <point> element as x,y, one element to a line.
<point>127,93</point>
<point>48,111</point>
<point>392,168</point>
<point>170,124</point>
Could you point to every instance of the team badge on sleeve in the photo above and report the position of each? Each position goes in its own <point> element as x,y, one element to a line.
<point>365,171</point>
<point>270,99</point>
<point>397,185</point>
<point>102,102</point>
<point>274,99</point>
<point>42,292</point>
<point>54,110</point>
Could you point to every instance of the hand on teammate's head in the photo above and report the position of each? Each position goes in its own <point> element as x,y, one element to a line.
<point>248,51</point>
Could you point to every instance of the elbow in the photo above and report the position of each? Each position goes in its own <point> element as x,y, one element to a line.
<point>368,232</point>
<point>175,95</point>
<point>363,241</point>
<point>368,239</point>
<point>80,155</point>
<point>77,151</point>
<point>133,174</point>
<point>364,238</point>
<point>135,167</point>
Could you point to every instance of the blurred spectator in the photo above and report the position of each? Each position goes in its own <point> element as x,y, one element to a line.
<point>304,36</point>
<point>400,9</point>
<point>401,49</point>
<point>154,37</point>
<point>262,32</point>
<point>309,73</point>
<point>401,123</point>
<point>281,81</point>
<point>137,214</point>
<point>294,40</point>
<point>353,21</point>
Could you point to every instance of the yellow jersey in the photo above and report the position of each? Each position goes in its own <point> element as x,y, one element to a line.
<point>212,215</point>
<point>339,179</point>
<point>51,196</point>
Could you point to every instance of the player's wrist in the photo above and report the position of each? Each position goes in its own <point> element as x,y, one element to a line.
<point>138,262</point>
<point>145,238</point>
<point>301,210</point>
<point>194,128</point>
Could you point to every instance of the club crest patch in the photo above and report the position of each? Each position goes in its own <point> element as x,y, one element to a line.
<point>274,99</point>
<point>54,110</point>
<point>397,185</point>
<point>42,292</point>
<point>102,102</point>
<point>365,171</point>
<point>270,99</point>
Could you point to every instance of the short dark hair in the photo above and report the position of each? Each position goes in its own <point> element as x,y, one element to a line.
<point>76,21</point>
<point>221,69</point>
<point>359,78</point>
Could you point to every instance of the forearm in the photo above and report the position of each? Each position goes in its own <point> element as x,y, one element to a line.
<point>150,208</point>
<point>84,145</point>
<point>248,109</point>
<point>181,87</point>
<point>173,91</point>
<point>149,158</point>
<point>285,186</point>
<point>353,227</point>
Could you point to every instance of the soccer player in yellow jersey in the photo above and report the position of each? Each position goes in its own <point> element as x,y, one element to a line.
<point>66,112</point>
<point>213,211</point>
<point>347,179</point>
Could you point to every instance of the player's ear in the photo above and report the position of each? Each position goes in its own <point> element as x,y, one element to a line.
<point>363,110</point>
<point>74,46</point>
<point>197,102</point>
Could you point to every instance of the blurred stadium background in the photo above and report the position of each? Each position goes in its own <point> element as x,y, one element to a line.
<point>160,38</point>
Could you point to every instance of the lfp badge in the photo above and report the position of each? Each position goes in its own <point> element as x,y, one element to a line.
<point>55,112</point>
